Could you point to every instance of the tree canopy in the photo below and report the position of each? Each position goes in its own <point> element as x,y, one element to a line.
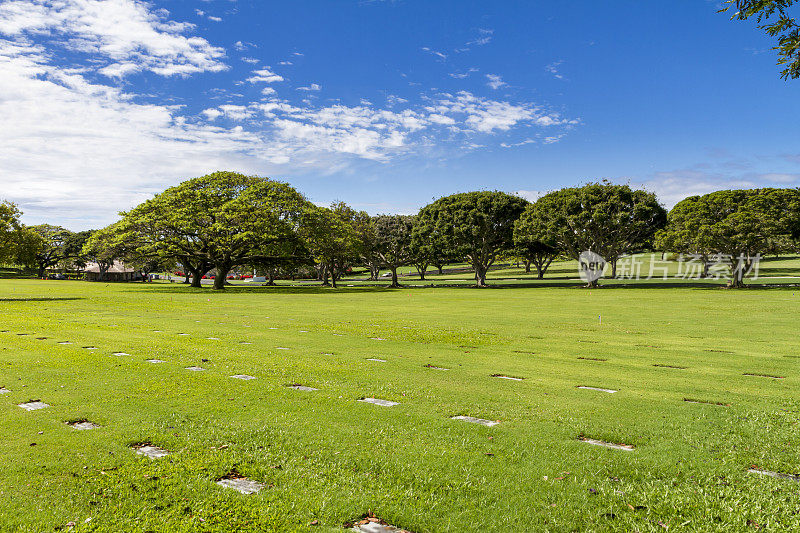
<point>476,226</point>
<point>735,226</point>
<point>610,220</point>
<point>774,18</point>
<point>221,220</point>
<point>393,242</point>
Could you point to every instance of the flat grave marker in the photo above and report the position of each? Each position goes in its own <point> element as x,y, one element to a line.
<point>195,368</point>
<point>154,361</point>
<point>243,377</point>
<point>83,425</point>
<point>473,420</point>
<point>779,475</point>
<point>378,401</point>
<point>120,354</point>
<point>435,367</point>
<point>376,360</point>
<point>241,484</point>
<point>4,390</point>
<point>297,386</point>
<point>612,445</point>
<point>34,405</point>
<point>153,452</point>
<point>501,376</point>
<point>281,348</point>
<point>599,389</point>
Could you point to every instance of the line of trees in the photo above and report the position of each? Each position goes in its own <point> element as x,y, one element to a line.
<point>225,221</point>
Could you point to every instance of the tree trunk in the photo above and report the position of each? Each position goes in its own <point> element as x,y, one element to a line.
<point>270,276</point>
<point>333,276</point>
<point>219,279</point>
<point>395,283</point>
<point>40,271</point>
<point>527,266</point>
<point>480,274</point>
<point>614,268</point>
<point>421,270</point>
<point>186,279</point>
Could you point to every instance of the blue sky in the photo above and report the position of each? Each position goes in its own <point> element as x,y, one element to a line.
<point>383,104</point>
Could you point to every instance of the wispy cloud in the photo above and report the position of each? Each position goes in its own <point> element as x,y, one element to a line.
<point>552,68</point>
<point>495,81</point>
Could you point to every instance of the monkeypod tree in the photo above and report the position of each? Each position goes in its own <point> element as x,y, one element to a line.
<point>736,226</point>
<point>53,249</point>
<point>610,220</point>
<point>219,220</point>
<point>476,226</point>
<point>393,243</point>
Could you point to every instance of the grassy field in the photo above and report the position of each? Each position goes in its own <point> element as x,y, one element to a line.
<point>327,459</point>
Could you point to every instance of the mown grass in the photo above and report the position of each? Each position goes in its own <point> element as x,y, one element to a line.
<point>328,458</point>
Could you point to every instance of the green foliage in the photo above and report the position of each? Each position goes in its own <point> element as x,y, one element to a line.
<point>476,226</point>
<point>611,220</point>
<point>776,23</point>
<point>393,241</point>
<point>331,237</point>
<point>53,248</point>
<point>18,244</point>
<point>735,223</point>
<point>222,220</point>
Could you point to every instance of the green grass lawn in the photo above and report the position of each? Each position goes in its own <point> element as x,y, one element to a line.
<point>326,457</point>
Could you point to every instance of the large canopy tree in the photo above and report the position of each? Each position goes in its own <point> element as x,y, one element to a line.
<point>610,220</point>
<point>393,243</point>
<point>476,226</point>
<point>221,220</point>
<point>736,225</point>
<point>53,249</point>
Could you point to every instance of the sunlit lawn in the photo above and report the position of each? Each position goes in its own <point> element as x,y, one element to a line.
<point>326,457</point>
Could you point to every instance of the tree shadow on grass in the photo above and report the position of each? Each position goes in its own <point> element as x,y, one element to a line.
<point>41,299</point>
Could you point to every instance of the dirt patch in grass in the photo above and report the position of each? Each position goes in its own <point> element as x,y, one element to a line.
<point>592,359</point>
<point>758,375</point>
<point>659,365</point>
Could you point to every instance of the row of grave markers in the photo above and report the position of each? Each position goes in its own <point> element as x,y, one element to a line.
<point>247,486</point>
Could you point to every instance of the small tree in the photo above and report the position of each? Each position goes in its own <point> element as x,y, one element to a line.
<point>331,239</point>
<point>393,244</point>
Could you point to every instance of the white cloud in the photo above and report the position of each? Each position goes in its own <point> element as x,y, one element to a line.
<point>124,36</point>
<point>77,150</point>
<point>250,60</point>
<point>552,68</point>
<point>531,196</point>
<point>486,116</point>
<point>284,63</point>
<point>312,87</point>
<point>440,55</point>
<point>495,81</point>
<point>264,75</point>
<point>215,19</point>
